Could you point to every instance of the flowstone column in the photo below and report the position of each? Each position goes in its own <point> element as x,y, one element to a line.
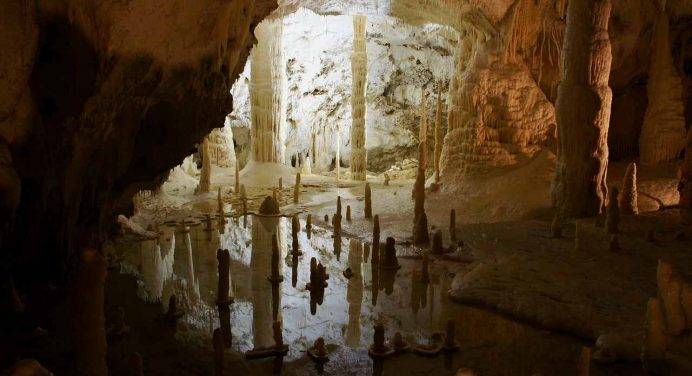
<point>359,70</point>
<point>268,93</point>
<point>583,111</point>
<point>663,132</point>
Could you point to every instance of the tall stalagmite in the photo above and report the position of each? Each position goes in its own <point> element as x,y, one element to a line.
<point>268,93</point>
<point>438,134</point>
<point>205,174</point>
<point>423,133</point>
<point>583,110</point>
<point>359,69</point>
<point>628,197</point>
<point>663,132</point>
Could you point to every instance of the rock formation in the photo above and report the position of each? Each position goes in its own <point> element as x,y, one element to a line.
<point>662,136</point>
<point>628,197</point>
<point>268,93</point>
<point>583,111</point>
<point>368,201</point>
<point>359,69</point>
<point>205,174</point>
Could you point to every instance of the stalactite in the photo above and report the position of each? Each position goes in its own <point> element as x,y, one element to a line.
<point>205,175</point>
<point>268,93</point>
<point>583,111</point>
<point>359,69</point>
<point>663,132</point>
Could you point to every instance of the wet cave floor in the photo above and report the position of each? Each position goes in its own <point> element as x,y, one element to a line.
<point>182,262</point>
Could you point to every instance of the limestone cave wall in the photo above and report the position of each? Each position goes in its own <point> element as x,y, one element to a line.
<point>99,100</point>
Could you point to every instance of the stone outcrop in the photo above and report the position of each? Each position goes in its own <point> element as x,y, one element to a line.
<point>583,111</point>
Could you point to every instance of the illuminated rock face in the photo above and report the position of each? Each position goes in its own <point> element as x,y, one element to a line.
<point>268,93</point>
<point>359,69</point>
<point>583,111</point>
<point>663,134</point>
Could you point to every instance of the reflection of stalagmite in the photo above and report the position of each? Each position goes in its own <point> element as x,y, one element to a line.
<point>376,240</point>
<point>368,201</point>
<point>205,175</point>
<point>663,132</point>
<point>268,93</point>
<point>296,190</point>
<point>156,270</point>
<point>420,220</point>
<point>193,288</point>
<point>87,317</point>
<point>354,293</point>
<point>263,226</point>
<point>583,111</point>
<point>359,69</point>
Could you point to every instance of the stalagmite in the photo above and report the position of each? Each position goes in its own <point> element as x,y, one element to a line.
<point>219,203</point>
<point>584,364</point>
<point>348,213</point>
<point>437,244</point>
<point>237,179</point>
<point>268,93</point>
<point>337,159</point>
<point>296,190</point>
<point>556,227</point>
<point>453,225</point>
<point>613,212</point>
<point>386,179</point>
<point>368,201</point>
<point>87,317</point>
<point>670,293</point>
<point>308,222</point>
<point>359,69</point>
<point>376,240</point>
<point>390,260</point>
<point>655,339</point>
<point>379,348</point>
<point>450,343</point>
<point>295,228</point>
<point>204,185</point>
<point>628,197</point>
<point>421,236</point>
<point>663,133</point>
<point>438,134</point>
<point>583,111</point>
<point>423,134</point>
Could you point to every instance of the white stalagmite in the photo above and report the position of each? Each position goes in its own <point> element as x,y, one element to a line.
<point>359,69</point>
<point>663,132</point>
<point>205,175</point>
<point>268,93</point>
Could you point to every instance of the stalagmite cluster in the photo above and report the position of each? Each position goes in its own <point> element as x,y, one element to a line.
<point>268,93</point>
<point>663,133</point>
<point>583,111</point>
<point>359,73</point>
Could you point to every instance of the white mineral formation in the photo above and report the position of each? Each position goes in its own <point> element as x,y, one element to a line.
<point>583,111</point>
<point>359,69</point>
<point>205,175</point>
<point>663,133</point>
<point>268,93</point>
<point>221,148</point>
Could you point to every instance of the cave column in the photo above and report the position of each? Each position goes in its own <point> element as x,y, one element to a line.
<point>268,93</point>
<point>583,111</point>
<point>359,70</point>
<point>663,132</point>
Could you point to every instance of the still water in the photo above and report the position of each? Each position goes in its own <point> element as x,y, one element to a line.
<point>183,262</point>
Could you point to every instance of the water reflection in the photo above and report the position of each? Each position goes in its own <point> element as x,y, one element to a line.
<point>412,304</point>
